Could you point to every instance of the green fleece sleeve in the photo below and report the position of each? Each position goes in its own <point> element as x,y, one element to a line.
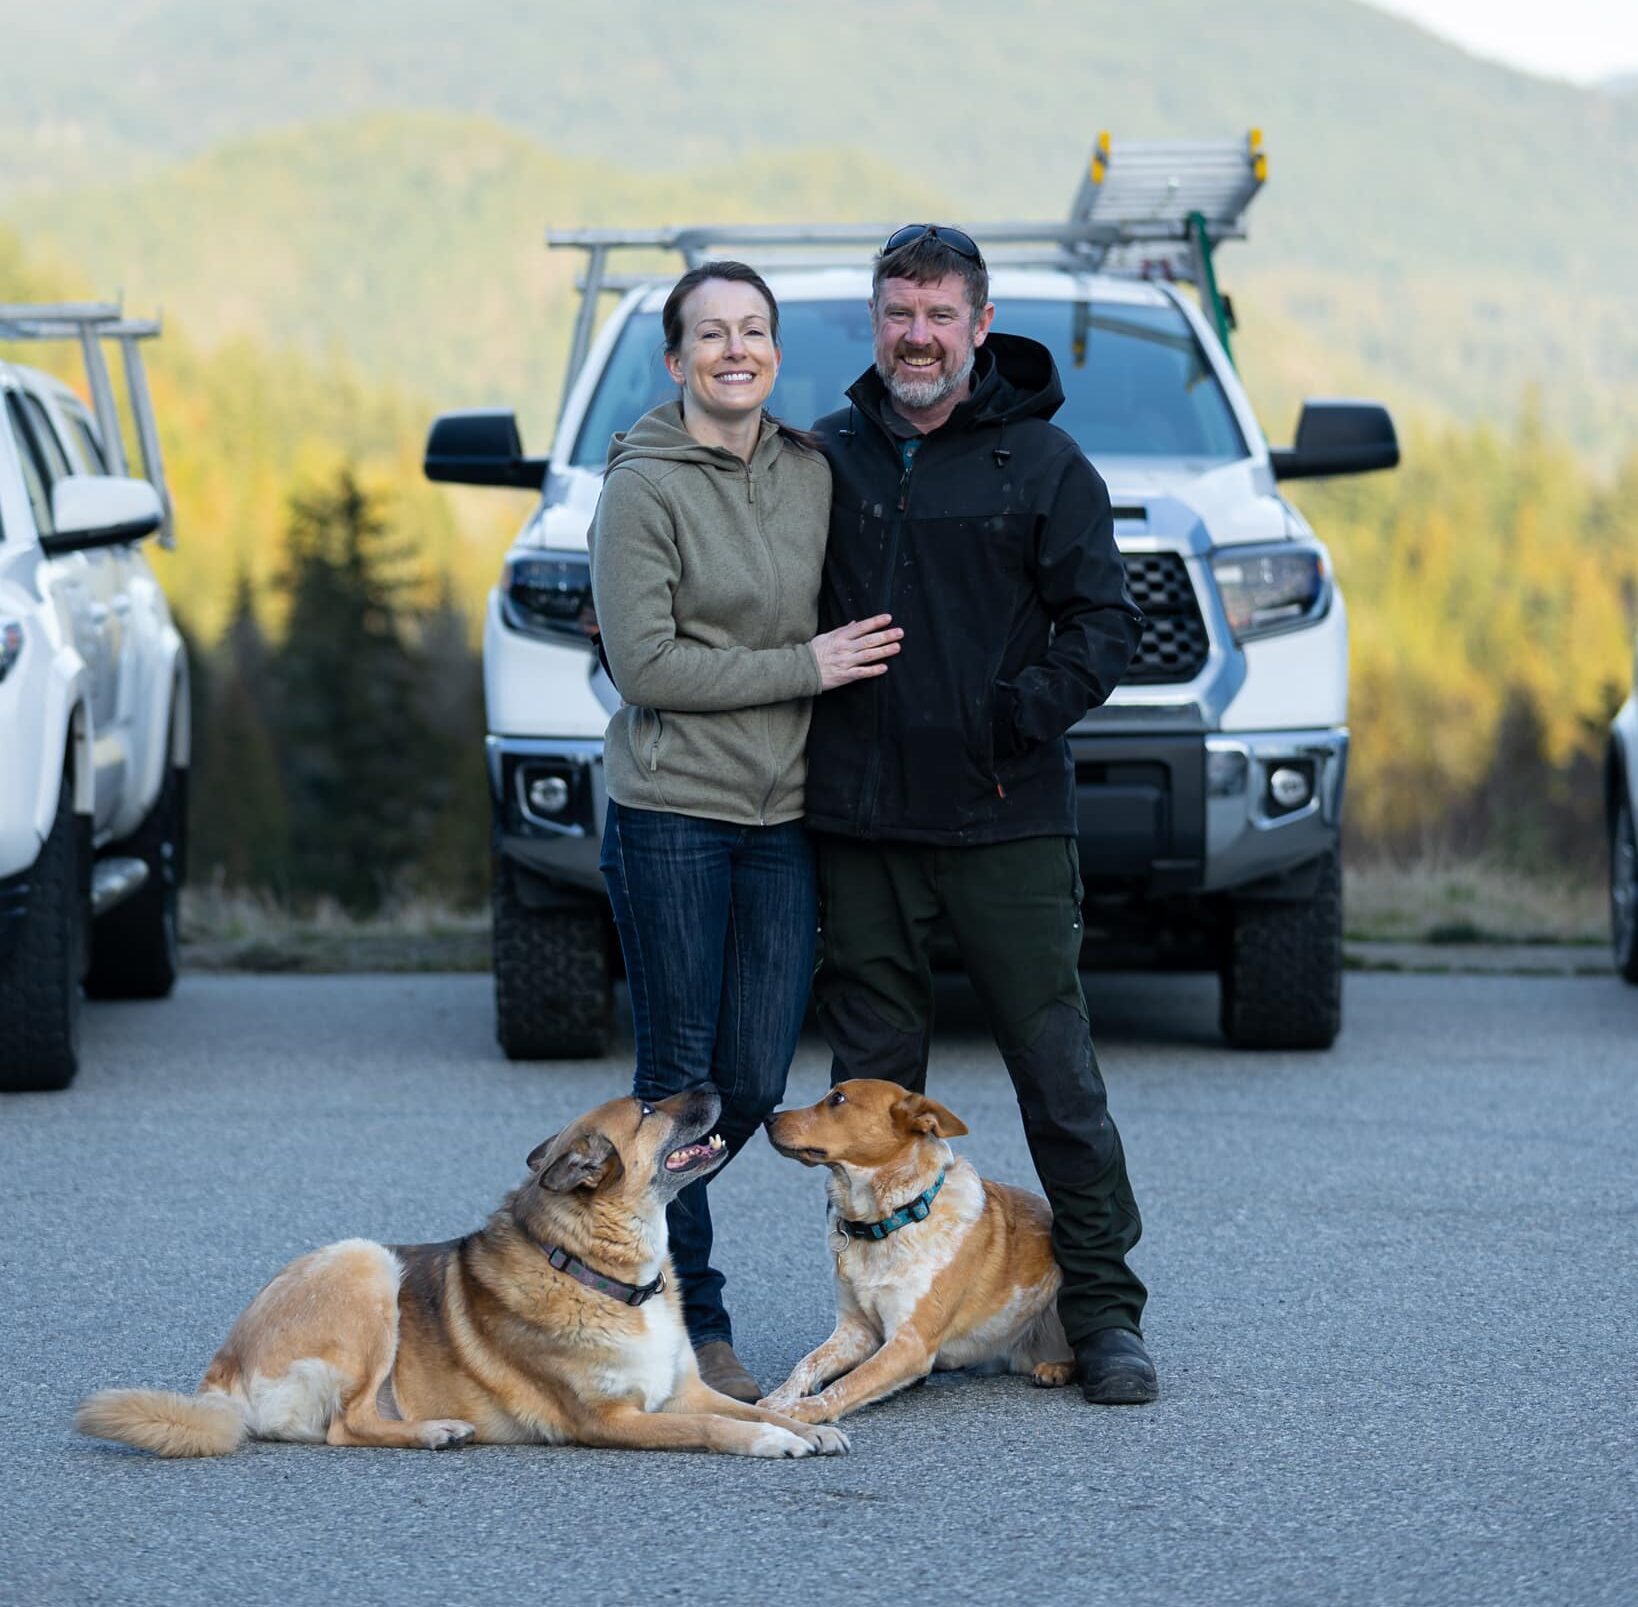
<point>635,571</point>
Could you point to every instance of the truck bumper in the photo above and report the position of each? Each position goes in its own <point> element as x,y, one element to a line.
<point>1197,812</point>
<point>1158,815</point>
<point>549,802</point>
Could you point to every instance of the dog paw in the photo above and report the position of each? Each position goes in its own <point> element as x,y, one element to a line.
<point>771,1440</point>
<point>1051,1374</point>
<point>780,1401</point>
<point>441,1434</point>
<point>829,1441</point>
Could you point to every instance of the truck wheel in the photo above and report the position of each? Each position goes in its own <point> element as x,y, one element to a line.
<point>134,947</point>
<point>1624,892</point>
<point>553,996</point>
<point>40,976</point>
<point>1282,974</point>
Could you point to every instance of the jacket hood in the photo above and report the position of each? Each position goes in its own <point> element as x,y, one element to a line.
<point>1013,378</point>
<point>660,435</point>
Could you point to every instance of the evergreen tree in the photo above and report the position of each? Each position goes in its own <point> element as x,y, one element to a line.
<point>238,822</point>
<point>454,858</point>
<point>357,763</point>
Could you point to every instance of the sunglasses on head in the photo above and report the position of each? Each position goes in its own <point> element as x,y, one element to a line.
<point>958,240</point>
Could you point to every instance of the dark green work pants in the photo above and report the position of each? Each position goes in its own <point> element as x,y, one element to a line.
<point>1015,912</point>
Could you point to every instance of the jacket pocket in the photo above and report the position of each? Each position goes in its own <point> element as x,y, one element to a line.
<point>647,733</point>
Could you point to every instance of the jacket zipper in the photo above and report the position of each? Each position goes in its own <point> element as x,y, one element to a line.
<point>873,771</point>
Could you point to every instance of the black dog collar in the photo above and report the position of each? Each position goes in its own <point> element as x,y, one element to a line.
<point>628,1294</point>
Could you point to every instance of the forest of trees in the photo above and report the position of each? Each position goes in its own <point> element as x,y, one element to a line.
<point>343,760</point>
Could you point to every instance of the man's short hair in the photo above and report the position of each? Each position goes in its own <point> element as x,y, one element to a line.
<point>926,260</point>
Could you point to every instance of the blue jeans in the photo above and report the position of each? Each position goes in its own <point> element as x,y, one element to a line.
<point>717,923</point>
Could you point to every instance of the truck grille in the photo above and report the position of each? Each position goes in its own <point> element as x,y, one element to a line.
<point>1174,641</point>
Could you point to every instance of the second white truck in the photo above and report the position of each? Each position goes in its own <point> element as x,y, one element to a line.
<point>94,735</point>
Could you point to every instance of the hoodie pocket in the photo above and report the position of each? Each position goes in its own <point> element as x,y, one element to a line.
<point>647,734</point>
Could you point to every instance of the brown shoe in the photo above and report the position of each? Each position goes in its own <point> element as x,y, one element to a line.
<point>725,1373</point>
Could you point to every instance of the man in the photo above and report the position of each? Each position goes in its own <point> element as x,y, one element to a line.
<point>945,789</point>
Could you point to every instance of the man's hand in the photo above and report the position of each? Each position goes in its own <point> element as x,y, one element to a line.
<point>855,651</point>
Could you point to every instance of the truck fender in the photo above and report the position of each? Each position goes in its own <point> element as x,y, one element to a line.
<point>67,714</point>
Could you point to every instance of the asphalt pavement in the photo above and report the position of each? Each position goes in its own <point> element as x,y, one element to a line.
<point>1394,1307</point>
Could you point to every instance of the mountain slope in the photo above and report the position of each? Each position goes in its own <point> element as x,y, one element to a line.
<point>413,245</point>
<point>1396,149</point>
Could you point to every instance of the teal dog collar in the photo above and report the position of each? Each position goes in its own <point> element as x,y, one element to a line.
<point>915,1211</point>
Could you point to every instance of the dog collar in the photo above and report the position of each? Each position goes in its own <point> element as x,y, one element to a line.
<point>628,1294</point>
<point>915,1211</point>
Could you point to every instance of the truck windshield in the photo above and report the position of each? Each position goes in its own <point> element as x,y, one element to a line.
<point>1136,382</point>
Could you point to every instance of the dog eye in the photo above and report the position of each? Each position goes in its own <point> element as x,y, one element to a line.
<point>837,1098</point>
<point>644,1106</point>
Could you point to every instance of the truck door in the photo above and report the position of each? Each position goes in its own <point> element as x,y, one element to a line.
<point>88,591</point>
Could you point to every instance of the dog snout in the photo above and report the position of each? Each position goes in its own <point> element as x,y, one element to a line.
<point>695,1109</point>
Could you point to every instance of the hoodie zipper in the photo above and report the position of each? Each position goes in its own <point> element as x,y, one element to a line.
<point>762,713</point>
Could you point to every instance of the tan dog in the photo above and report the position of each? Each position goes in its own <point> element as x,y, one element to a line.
<point>928,1275</point>
<point>555,1323</point>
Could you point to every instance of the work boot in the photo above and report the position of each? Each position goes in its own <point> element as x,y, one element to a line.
<point>1116,1369</point>
<point>725,1373</point>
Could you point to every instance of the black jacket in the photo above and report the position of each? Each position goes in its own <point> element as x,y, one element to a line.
<point>995,553</point>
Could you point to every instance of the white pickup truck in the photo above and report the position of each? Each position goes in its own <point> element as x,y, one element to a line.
<point>93,700</point>
<point>1621,819</point>
<point>1210,785</point>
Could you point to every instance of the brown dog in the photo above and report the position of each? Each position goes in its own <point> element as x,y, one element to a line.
<point>929,1273</point>
<point>555,1323</point>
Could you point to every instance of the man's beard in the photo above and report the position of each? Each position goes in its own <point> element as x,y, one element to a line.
<point>920,394</point>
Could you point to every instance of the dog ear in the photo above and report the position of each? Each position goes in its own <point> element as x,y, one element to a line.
<point>585,1162</point>
<point>538,1153</point>
<point>923,1115</point>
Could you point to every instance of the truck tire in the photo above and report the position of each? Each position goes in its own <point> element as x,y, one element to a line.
<point>1624,892</point>
<point>134,947</point>
<point>1282,973</point>
<point>40,976</point>
<point>553,996</point>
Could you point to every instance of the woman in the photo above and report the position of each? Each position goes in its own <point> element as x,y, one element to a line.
<point>706,552</point>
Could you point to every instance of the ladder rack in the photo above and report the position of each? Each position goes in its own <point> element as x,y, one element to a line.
<point>1144,208</point>
<point>90,323</point>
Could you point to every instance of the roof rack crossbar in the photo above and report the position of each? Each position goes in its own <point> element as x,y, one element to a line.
<point>1143,208</point>
<point>89,324</point>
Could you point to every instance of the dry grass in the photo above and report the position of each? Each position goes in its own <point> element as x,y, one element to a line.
<point>1467,901</point>
<point>1434,901</point>
<point>238,931</point>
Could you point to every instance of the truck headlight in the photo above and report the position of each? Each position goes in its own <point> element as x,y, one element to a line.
<point>11,645</point>
<point>1266,590</point>
<point>549,594</point>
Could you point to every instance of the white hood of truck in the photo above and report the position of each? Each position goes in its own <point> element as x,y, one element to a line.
<point>1237,502</point>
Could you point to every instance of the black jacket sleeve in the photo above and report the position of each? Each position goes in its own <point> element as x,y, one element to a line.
<point>1081,583</point>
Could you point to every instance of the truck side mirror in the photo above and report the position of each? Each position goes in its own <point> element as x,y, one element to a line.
<point>1336,437</point>
<point>481,447</point>
<point>100,510</point>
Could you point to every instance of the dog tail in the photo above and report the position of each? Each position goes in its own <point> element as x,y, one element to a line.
<point>164,1422</point>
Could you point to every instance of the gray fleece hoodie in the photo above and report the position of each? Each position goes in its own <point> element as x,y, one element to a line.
<point>705,573</point>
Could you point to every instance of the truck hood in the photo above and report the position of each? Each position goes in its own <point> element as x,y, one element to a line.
<point>1236,502</point>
